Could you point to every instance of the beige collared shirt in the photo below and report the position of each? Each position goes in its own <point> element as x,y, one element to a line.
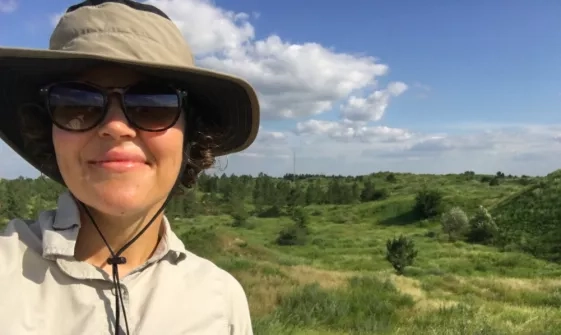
<point>45,291</point>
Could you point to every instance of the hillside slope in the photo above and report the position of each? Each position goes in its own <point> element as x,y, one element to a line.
<point>530,220</point>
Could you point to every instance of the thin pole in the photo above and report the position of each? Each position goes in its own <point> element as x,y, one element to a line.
<point>294,166</point>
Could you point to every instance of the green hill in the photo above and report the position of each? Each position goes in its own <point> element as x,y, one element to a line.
<point>530,220</point>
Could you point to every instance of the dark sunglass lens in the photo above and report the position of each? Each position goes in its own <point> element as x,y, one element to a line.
<point>75,106</point>
<point>152,107</point>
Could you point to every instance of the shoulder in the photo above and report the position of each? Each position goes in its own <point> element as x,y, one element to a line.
<point>22,231</point>
<point>236,303</point>
<point>28,232</point>
<point>205,269</point>
<point>239,314</point>
<point>16,238</point>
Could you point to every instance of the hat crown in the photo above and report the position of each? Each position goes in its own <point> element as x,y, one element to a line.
<point>118,30</point>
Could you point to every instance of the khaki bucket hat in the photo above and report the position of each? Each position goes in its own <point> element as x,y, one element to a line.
<point>131,34</point>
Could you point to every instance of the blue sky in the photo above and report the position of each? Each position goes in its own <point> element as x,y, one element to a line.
<point>488,61</point>
<point>471,68</point>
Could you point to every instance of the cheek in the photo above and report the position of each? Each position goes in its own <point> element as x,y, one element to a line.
<point>167,150</point>
<point>67,148</point>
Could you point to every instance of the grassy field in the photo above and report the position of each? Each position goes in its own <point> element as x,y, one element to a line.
<point>340,282</point>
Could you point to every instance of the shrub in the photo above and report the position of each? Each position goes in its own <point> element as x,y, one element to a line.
<point>301,219</point>
<point>391,178</point>
<point>292,235</point>
<point>380,194</point>
<point>271,212</point>
<point>239,215</point>
<point>371,193</point>
<point>486,179</point>
<point>455,223</point>
<point>401,252</point>
<point>494,181</point>
<point>297,232</point>
<point>428,203</point>
<point>482,227</point>
<point>524,181</point>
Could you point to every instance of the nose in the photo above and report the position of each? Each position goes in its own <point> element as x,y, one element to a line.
<point>115,124</point>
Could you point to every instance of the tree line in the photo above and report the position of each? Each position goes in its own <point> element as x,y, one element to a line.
<point>225,194</point>
<point>264,196</point>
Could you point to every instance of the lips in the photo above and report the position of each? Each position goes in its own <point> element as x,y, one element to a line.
<point>119,157</point>
<point>119,161</point>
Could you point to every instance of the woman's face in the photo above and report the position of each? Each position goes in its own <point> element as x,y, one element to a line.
<point>125,187</point>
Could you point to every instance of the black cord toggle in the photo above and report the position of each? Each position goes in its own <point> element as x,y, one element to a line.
<point>116,260</point>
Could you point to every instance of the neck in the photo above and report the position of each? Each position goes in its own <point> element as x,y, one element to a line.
<point>117,231</point>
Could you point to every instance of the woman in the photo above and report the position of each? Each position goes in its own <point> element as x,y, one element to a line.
<point>116,111</point>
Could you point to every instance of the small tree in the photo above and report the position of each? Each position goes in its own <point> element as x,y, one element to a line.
<point>238,213</point>
<point>455,223</point>
<point>301,219</point>
<point>486,179</point>
<point>482,227</point>
<point>291,235</point>
<point>297,232</point>
<point>494,181</point>
<point>428,203</point>
<point>400,252</point>
<point>240,219</point>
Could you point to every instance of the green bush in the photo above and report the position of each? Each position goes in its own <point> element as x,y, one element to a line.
<point>455,223</point>
<point>428,203</point>
<point>494,181</point>
<point>271,212</point>
<point>400,252</point>
<point>301,219</point>
<point>391,178</point>
<point>292,235</point>
<point>482,227</point>
<point>297,232</point>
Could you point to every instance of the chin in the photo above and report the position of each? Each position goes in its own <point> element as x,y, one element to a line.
<point>120,198</point>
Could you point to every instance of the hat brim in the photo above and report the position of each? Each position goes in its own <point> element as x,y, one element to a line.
<point>230,103</point>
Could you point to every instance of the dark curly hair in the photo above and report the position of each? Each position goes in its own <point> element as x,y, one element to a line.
<point>200,136</point>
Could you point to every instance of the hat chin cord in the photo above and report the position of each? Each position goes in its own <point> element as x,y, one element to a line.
<point>116,259</point>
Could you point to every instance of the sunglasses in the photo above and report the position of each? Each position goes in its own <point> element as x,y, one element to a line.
<point>80,106</point>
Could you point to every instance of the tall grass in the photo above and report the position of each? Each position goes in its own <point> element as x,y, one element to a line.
<point>340,283</point>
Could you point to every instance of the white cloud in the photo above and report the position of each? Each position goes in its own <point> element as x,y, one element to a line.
<point>347,130</point>
<point>332,149</point>
<point>208,29</point>
<point>293,80</point>
<point>8,6</point>
<point>373,107</point>
<point>528,150</point>
<point>270,137</point>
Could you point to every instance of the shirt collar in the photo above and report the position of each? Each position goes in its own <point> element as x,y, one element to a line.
<point>60,230</point>
<point>169,243</point>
